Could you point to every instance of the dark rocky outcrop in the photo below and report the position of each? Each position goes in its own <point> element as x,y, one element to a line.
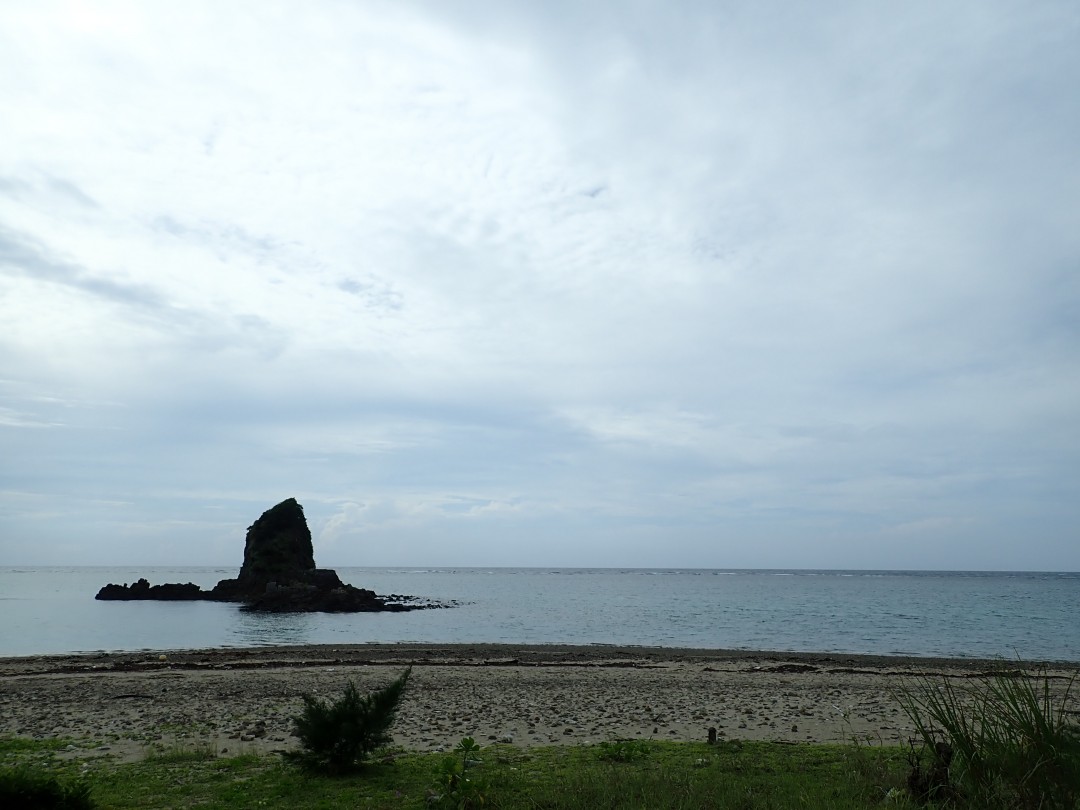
<point>277,551</point>
<point>278,575</point>
<point>169,592</point>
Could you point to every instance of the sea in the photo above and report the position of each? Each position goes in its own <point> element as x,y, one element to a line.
<point>956,614</point>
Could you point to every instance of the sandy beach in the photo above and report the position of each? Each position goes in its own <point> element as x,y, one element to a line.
<point>127,705</point>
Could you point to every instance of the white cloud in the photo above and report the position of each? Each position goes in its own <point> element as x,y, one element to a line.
<point>588,271</point>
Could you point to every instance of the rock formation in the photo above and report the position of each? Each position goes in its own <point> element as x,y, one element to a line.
<point>169,592</point>
<point>277,550</point>
<point>278,575</point>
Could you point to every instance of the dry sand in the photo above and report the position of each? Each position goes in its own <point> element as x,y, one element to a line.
<point>126,705</point>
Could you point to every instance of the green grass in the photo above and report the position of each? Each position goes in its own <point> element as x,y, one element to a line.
<point>651,774</point>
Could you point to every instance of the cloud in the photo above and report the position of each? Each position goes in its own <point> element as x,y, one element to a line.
<point>678,285</point>
<point>12,418</point>
<point>22,256</point>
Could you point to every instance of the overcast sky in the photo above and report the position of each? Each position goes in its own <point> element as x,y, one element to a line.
<point>711,284</point>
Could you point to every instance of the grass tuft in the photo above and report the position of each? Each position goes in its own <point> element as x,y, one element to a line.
<point>179,753</point>
<point>1004,742</point>
<point>623,750</point>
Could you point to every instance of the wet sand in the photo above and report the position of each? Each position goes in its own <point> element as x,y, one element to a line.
<point>127,705</point>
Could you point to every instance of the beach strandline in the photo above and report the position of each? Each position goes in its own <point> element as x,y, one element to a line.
<point>241,700</point>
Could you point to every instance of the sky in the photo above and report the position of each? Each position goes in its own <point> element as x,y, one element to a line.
<point>627,284</point>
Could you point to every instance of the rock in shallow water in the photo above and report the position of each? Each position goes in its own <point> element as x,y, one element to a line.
<point>278,575</point>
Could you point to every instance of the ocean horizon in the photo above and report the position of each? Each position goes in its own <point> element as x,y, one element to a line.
<point>953,614</point>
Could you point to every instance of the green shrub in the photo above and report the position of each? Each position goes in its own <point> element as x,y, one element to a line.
<point>1003,742</point>
<point>455,787</point>
<point>623,750</point>
<point>336,737</point>
<point>23,788</point>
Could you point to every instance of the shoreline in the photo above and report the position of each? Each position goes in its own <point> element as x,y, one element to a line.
<point>480,654</point>
<point>238,700</point>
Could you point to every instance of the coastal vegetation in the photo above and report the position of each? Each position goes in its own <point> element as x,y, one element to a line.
<point>1007,741</point>
<point>337,736</point>
<point>664,775</point>
<point>1000,743</point>
<point>25,786</point>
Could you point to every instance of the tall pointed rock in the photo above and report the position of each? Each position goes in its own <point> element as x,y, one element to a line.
<point>277,549</point>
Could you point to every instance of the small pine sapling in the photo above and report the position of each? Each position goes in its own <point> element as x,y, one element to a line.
<point>336,737</point>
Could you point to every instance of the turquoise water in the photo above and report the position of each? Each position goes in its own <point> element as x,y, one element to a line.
<point>962,614</point>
